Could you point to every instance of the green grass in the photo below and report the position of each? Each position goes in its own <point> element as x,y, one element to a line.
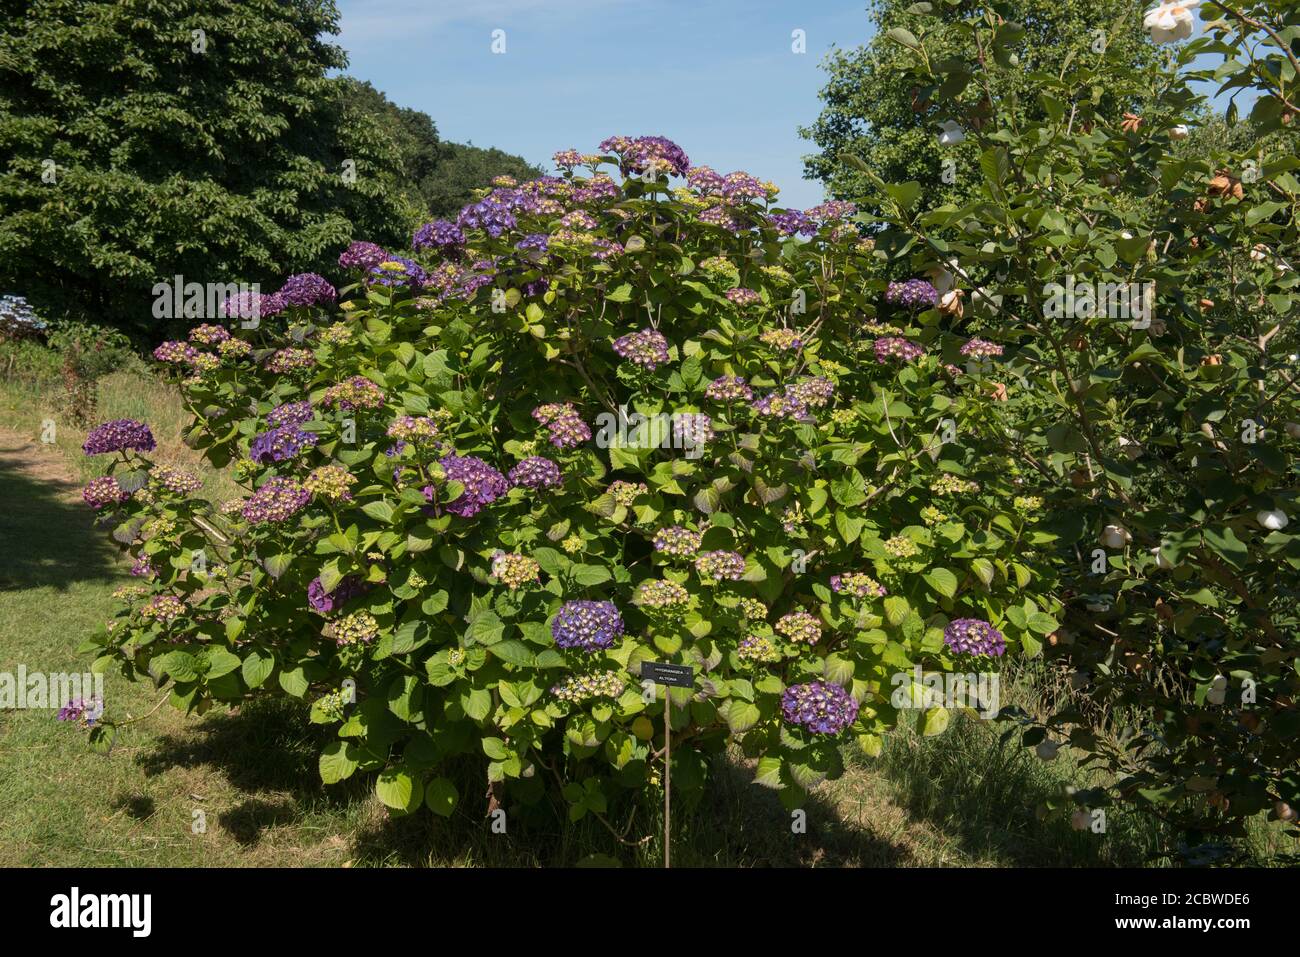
<point>960,799</point>
<point>29,403</point>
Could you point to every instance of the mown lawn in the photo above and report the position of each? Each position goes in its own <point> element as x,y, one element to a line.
<point>249,776</point>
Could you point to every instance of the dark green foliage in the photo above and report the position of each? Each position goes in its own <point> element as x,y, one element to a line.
<point>149,138</point>
<point>892,125</point>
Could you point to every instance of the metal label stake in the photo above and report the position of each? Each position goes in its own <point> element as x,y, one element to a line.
<point>669,675</point>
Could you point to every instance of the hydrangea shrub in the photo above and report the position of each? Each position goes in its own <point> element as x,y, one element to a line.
<point>639,411</point>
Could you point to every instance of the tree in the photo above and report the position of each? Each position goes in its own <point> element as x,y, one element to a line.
<point>441,177</point>
<point>1154,409</point>
<point>893,127</point>
<point>149,138</point>
<point>465,168</point>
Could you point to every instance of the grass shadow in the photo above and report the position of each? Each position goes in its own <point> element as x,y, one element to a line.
<point>137,807</point>
<point>735,823</point>
<point>247,821</point>
<point>987,795</point>
<point>265,747</point>
<point>50,538</point>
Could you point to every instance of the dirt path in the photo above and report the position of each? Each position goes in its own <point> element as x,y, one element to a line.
<point>40,462</point>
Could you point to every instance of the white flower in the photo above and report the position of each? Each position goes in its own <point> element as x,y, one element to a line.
<point>1161,561</point>
<point>1115,536</point>
<point>1259,253</point>
<point>940,278</point>
<point>950,134</point>
<point>1178,132</point>
<point>1274,520</point>
<point>1170,21</point>
<point>1218,690</point>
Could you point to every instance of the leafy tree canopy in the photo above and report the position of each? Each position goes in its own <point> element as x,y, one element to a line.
<point>149,138</point>
<point>892,126</point>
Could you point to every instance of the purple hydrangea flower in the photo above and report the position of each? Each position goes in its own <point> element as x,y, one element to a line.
<point>291,413</point>
<point>721,565</point>
<point>208,334</point>
<point>276,501</point>
<point>721,216</point>
<point>280,444</point>
<point>857,584</point>
<point>494,213</point>
<point>174,352</point>
<point>483,484</point>
<point>534,242</point>
<point>677,540</point>
<point>729,388</point>
<point>704,180</point>
<point>639,154</point>
<point>398,271</point>
<point>587,625</point>
<point>780,405</point>
<point>323,603</point>
<point>536,472</point>
<point>792,222</point>
<point>970,636</point>
<point>981,349</point>
<point>578,219</point>
<point>596,189</point>
<point>251,306</point>
<point>565,425</point>
<point>742,186</point>
<point>819,707</point>
<point>912,294</point>
<point>307,289</point>
<point>894,347</point>
<point>362,255</point>
<point>103,492</point>
<point>439,234</point>
<point>813,393</point>
<point>481,273</point>
<point>692,430</point>
<point>87,711</point>
<point>647,348</point>
<point>742,296</point>
<point>355,393</point>
<point>831,210</point>
<point>119,435</point>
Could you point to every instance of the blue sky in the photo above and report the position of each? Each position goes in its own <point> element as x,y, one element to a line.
<point>716,76</point>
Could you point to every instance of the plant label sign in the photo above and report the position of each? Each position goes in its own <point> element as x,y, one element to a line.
<point>664,673</point>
